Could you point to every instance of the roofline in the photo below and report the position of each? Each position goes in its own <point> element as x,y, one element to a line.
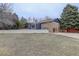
<point>46,21</point>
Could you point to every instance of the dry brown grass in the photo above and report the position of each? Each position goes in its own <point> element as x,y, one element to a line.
<point>38,44</point>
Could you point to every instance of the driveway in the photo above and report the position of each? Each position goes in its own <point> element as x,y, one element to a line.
<point>73,35</point>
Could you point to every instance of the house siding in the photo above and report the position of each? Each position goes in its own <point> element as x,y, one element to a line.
<point>51,26</point>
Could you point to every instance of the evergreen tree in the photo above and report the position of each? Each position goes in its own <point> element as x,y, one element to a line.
<point>23,22</point>
<point>70,17</point>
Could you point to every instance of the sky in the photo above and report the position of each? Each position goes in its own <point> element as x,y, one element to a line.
<point>39,10</point>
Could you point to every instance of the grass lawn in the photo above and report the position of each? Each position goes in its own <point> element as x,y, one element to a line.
<point>38,44</point>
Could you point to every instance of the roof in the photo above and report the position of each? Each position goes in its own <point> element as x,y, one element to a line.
<point>45,21</point>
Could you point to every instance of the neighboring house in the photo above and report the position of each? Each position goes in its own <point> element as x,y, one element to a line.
<point>51,25</point>
<point>33,24</point>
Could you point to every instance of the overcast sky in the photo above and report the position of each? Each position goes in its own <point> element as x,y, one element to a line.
<point>39,10</point>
